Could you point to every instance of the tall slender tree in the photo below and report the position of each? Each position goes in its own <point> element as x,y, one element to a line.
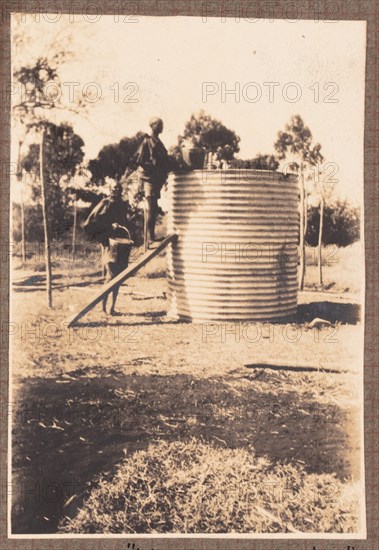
<point>38,82</point>
<point>32,111</point>
<point>294,144</point>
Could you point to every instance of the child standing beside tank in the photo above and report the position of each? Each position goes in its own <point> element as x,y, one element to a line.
<point>106,223</point>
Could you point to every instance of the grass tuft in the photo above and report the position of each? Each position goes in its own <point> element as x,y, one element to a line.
<point>193,487</point>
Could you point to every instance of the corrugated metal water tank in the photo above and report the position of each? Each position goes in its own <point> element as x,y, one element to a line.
<point>236,256</point>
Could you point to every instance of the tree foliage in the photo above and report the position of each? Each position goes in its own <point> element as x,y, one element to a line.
<point>62,155</point>
<point>204,131</point>
<point>33,222</point>
<point>295,144</point>
<point>341,223</point>
<point>35,78</point>
<point>260,162</point>
<point>113,159</point>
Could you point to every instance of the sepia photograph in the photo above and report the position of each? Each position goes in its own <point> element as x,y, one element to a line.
<point>187,276</point>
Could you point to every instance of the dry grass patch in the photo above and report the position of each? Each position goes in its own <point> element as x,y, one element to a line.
<point>193,487</point>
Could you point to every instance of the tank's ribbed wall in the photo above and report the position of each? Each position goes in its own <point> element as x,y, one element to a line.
<point>236,256</point>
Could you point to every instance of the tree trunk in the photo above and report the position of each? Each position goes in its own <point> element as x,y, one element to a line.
<point>305,214</point>
<point>23,253</point>
<point>145,239</point>
<point>19,172</point>
<point>319,260</point>
<point>302,235</point>
<point>45,224</point>
<point>74,230</point>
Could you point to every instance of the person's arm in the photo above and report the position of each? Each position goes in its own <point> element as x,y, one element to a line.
<point>97,211</point>
<point>96,223</point>
<point>162,166</point>
<point>142,155</point>
<point>139,159</point>
<point>128,172</point>
<point>120,227</point>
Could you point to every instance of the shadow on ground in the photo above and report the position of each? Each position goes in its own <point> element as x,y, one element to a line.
<point>290,368</point>
<point>37,282</point>
<point>334,312</point>
<point>85,422</point>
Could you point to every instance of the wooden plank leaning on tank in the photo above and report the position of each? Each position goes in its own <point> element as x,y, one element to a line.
<point>119,279</point>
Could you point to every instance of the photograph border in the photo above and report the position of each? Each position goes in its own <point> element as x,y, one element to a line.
<point>348,10</point>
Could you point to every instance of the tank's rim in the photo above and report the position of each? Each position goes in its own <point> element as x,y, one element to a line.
<point>236,171</point>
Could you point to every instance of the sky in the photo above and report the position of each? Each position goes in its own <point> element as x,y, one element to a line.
<point>163,66</point>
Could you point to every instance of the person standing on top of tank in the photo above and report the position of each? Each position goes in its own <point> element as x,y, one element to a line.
<point>152,164</point>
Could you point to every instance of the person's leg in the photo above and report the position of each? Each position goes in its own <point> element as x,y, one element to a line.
<point>103,267</point>
<point>150,210</point>
<point>150,218</point>
<point>152,207</point>
<point>112,311</point>
<point>117,268</point>
<point>108,277</point>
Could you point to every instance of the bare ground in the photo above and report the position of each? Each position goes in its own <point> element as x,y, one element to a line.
<point>87,397</point>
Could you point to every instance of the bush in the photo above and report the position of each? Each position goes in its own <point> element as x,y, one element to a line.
<point>34,224</point>
<point>63,231</point>
<point>260,162</point>
<point>341,224</point>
